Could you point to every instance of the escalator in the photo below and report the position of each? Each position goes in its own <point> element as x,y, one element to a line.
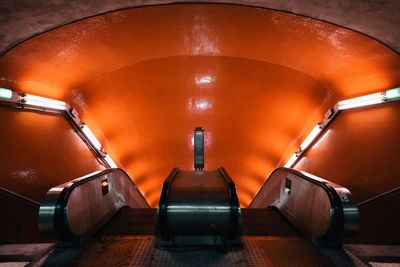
<point>73,211</point>
<point>273,232</point>
<point>103,219</point>
<point>198,208</point>
<point>322,210</point>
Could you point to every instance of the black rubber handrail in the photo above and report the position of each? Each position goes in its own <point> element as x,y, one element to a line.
<point>19,196</point>
<point>234,203</point>
<point>378,197</point>
<point>61,225</point>
<point>163,204</point>
<point>337,224</point>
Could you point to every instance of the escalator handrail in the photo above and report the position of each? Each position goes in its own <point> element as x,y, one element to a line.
<point>163,204</point>
<point>19,196</point>
<point>61,225</point>
<point>337,224</point>
<point>63,199</point>
<point>378,197</point>
<point>234,203</point>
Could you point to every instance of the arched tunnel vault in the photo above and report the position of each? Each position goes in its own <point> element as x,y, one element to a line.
<point>235,100</point>
<point>257,80</point>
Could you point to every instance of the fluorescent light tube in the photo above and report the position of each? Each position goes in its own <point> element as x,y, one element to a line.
<point>110,161</point>
<point>92,139</point>
<point>392,93</point>
<point>5,93</point>
<point>44,102</point>
<point>317,129</point>
<point>361,101</point>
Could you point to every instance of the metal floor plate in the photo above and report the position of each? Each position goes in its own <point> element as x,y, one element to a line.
<point>269,240</point>
<point>254,251</point>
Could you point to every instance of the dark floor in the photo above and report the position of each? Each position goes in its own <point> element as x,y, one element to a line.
<point>255,251</point>
<point>128,240</point>
<point>269,240</point>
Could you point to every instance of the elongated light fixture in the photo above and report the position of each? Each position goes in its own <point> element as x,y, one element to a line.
<point>310,138</point>
<point>110,162</point>
<point>372,99</point>
<point>11,96</point>
<point>90,136</point>
<point>392,94</point>
<point>5,93</point>
<point>44,102</point>
<point>361,101</point>
<point>97,146</point>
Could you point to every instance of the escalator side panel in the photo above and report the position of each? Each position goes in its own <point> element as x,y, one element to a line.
<point>81,206</point>
<point>324,210</point>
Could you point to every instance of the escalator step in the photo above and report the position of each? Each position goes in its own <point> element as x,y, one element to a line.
<point>131,222</point>
<point>266,222</point>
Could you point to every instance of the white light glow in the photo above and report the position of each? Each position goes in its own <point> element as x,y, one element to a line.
<point>88,133</point>
<point>110,162</point>
<point>392,93</point>
<point>204,79</point>
<point>317,129</point>
<point>321,139</point>
<point>291,161</point>
<point>44,102</point>
<point>5,93</point>
<point>202,105</point>
<point>361,101</point>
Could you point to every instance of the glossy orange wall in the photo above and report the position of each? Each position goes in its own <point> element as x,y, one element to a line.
<point>257,80</point>
<point>360,150</point>
<point>40,151</point>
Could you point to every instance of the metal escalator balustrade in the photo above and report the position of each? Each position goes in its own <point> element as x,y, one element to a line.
<point>323,210</point>
<point>198,208</point>
<point>379,197</point>
<point>19,217</point>
<point>78,208</point>
<point>235,222</point>
<point>198,143</point>
<point>379,229</point>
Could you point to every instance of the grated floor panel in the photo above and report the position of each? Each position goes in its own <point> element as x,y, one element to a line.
<point>270,240</point>
<point>254,251</point>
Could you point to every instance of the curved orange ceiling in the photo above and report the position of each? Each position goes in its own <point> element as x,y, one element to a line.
<point>257,80</point>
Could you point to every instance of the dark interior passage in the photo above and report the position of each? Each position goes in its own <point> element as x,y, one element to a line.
<point>258,81</point>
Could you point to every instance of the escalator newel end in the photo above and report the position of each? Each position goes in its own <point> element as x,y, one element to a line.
<point>198,148</point>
